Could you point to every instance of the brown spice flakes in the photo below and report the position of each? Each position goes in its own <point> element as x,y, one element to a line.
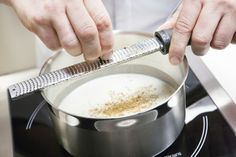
<point>122,104</point>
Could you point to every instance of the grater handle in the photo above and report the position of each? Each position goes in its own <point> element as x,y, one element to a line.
<point>165,36</point>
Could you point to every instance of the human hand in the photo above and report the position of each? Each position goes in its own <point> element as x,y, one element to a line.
<point>207,23</point>
<point>76,25</point>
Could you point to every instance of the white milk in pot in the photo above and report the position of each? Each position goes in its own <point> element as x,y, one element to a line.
<point>130,89</point>
<point>116,95</point>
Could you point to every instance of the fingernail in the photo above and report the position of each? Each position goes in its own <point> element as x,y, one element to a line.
<point>174,60</point>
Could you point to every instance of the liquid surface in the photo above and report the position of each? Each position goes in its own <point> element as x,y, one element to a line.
<point>116,96</point>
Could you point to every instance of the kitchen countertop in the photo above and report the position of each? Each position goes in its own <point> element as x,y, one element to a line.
<point>6,149</point>
<point>222,63</point>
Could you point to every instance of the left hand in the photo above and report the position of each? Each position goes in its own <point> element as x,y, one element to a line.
<point>207,23</point>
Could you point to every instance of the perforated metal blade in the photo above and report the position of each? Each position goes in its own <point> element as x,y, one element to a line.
<point>126,54</point>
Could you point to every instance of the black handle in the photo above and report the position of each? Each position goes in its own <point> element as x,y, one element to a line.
<point>164,36</point>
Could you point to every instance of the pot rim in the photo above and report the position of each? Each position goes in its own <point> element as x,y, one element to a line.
<point>53,109</point>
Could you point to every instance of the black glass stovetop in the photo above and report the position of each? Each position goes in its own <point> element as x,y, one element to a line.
<point>208,135</point>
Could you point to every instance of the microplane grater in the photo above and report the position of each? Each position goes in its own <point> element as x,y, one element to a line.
<point>159,43</point>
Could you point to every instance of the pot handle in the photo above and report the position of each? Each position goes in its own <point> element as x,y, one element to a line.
<point>203,105</point>
<point>164,36</point>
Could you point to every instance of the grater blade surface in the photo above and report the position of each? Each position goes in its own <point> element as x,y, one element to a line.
<point>119,56</point>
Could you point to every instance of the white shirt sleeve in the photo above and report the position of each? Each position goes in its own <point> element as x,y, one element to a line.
<point>140,15</point>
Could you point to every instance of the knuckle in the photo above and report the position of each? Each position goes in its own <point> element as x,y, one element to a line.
<point>225,3</point>
<point>39,19</point>
<point>50,7</point>
<point>219,44</point>
<point>53,9</point>
<point>201,41</point>
<point>70,2</point>
<point>69,43</point>
<point>102,22</point>
<point>183,25</point>
<point>88,33</point>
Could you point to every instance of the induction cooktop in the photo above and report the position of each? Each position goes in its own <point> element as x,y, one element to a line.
<point>207,135</point>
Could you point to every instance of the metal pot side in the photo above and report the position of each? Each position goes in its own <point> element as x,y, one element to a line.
<point>143,134</point>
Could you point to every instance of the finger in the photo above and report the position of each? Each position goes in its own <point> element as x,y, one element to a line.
<point>48,36</point>
<point>204,29</point>
<point>224,32</point>
<point>182,30</point>
<point>66,35</point>
<point>103,23</point>
<point>84,28</point>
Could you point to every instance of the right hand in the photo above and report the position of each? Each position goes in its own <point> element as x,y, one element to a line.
<point>207,23</point>
<point>75,25</point>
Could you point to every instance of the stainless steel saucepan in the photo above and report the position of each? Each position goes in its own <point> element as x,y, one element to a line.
<point>141,134</point>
